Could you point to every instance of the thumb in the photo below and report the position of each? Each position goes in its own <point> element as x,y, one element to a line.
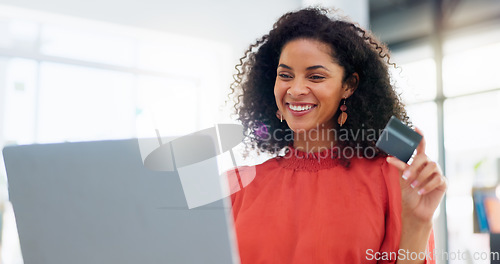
<point>421,145</point>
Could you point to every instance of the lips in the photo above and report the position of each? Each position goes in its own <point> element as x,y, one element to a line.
<point>299,109</point>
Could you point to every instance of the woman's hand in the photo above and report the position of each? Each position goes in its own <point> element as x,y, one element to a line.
<point>422,185</point>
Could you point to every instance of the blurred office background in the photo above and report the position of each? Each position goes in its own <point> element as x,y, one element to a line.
<point>91,70</point>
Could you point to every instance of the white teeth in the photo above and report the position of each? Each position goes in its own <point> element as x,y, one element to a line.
<point>300,108</point>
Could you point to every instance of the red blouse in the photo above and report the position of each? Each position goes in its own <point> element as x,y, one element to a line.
<point>309,208</point>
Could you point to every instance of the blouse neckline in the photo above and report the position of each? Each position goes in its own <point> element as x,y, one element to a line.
<point>312,161</point>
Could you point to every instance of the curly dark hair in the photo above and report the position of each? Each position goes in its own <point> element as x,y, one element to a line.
<point>356,50</point>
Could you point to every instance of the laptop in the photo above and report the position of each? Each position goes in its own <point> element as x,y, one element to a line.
<point>96,202</point>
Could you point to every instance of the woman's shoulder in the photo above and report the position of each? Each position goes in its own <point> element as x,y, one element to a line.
<point>382,177</point>
<point>240,176</point>
<point>374,163</point>
<point>252,168</point>
<point>376,169</point>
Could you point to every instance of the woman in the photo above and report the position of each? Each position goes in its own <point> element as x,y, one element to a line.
<point>317,90</point>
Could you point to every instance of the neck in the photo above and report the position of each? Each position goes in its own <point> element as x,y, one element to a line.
<point>314,140</point>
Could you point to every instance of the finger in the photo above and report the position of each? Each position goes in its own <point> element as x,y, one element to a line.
<point>435,181</point>
<point>429,169</point>
<point>416,166</point>
<point>421,146</point>
<point>400,165</point>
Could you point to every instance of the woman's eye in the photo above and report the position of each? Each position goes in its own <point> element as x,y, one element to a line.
<point>284,76</point>
<point>317,77</point>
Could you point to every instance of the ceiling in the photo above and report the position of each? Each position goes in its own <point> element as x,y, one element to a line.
<point>236,22</point>
<point>400,21</point>
<point>240,22</point>
<point>380,7</point>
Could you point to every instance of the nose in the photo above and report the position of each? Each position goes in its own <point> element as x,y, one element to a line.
<point>298,88</point>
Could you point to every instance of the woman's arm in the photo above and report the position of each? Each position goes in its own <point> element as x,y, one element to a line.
<point>422,188</point>
<point>414,241</point>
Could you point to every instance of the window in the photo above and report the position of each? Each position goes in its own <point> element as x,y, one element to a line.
<point>167,105</point>
<point>470,102</point>
<point>79,103</point>
<point>68,79</point>
<point>20,99</point>
<point>415,79</point>
<point>471,130</point>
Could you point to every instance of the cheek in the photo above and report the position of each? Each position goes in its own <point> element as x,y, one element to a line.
<point>279,91</point>
<point>332,100</point>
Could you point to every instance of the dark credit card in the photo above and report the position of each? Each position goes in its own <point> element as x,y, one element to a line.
<point>398,140</point>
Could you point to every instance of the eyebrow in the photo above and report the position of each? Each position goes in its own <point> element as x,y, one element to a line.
<point>285,66</point>
<point>317,67</point>
<point>308,68</point>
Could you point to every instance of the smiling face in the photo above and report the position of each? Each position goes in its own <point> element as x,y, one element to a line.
<point>309,87</point>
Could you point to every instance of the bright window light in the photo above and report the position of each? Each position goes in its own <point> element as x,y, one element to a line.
<point>472,70</point>
<point>416,81</point>
<point>87,45</point>
<point>424,116</point>
<point>168,105</point>
<point>20,89</point>
<point>79,104</point>
<point>18,34</point>
<point>415,77</point>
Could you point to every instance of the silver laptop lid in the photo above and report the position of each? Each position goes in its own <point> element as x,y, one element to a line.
<point>95,202</point>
